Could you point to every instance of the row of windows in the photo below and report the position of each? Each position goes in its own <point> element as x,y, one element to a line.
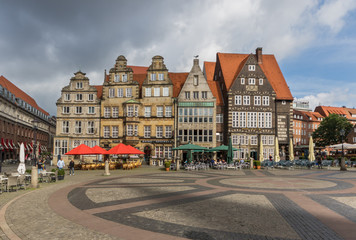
<point>252,140</point>
<point>120,92</point>
<point>242,153</point>
<point>258,100</point>
<point>79,127</point>
<point>122,78</point>
<point>155,76</point>
<point>132,130</point>
<point>163,152</point>
<point>132,111</point>
<point>252,81</point>
<point>196,135</point>
<point>204,95</point>
<point>157,92</point>
<point>78,110</point>
<point>78,97</point>
<point>252,119</point>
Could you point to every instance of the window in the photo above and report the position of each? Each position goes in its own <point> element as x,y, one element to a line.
<point>65,127</point>
<point>246,100</point>
<point>265,100</point>
<point>128,92</point>
<point>120,92</point>
<point>235,119</point>
<point>196,80</point>
<point>195,95</point>
<point>61,147</point>
<point>79,97</point>
<point>124,78</point>
<point>153,77</point>
<point>148,92</point>
<point>115,131</point>
<point>168,152</point>
<point>107,112</point>
<point>242,81</point>
<point>106,131</point>
<point>159,111</point>
<point>159,131</point>
<point>253,140</point>
<point>147,131</point>
<point>147,111</point>
<point>237,100</point>
<point>261,81</point>
<point>284,102</point>
<point>159,151</point>
<point>168,131</point>
<point>168,112</point>
<point>187,95</point>
<point>78,127</point>
<point>219,137</point>
<point>117,78</point>
<point>65,110</point>
<point>270,140</point>
<point>67,97</point>
<point>91,110</point>
<point>251,67</point>
<point>90,97</point>
<point>252,119</point>
<point>165,92</point>
<point>129,130</point>
<point>354,139</point>
<point>78,110</point>
<point>111,92</point>
<point>130,111</point>
<point>115,112</point>
<point>251,81</point>
<point>79,85</point>
<point>156,92</point>
<point>160,77</point>
<point>257,101</point>
<point>219,118</point>
<point>90,127</point>
<point>204,94</point>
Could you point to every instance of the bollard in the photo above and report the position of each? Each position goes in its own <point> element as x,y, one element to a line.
<point>107,173</point>
<point>34,177</point>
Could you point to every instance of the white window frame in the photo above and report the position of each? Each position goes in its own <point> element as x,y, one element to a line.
<point>115,131</point>
<point>66,110</point>
<point>79,97</point>
<point>111,92</point>
<point>107,112</point>
<point>153,77</point>
<point>148,111</point>
<point>78,127</point>
<point>168,132</point>
<point>90,127</point>
<point>251,67</point>
<point>160,76</point>
<point>168,111</point>
<point>147,131</point>
<point>246,100</point>
<point>204,94</point>
<point>67,97</point>
<point>120,92</point>
<point>148,92</point>
<point>157,92</point>
<point>238,99</point>
<point>159,131</point>
<point>165,92</point>
<point>79,85</point>
<point>242,81</point>
<point>117,78</point>
<point>159,111</point>
<point>90,97</point>
<point>261,81</point>
<point>115,112</point>
<point>106,131</point>
<point>251,81</point>
<point>265,100</point>
<point>65,127</point>
<point>257,100</point>
<point>91,110</point>
<point>124,77</point>
<point>128,92</point>
<point>78,110</point>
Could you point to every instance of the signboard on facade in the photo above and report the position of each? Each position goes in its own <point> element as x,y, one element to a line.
<point>282,128</point>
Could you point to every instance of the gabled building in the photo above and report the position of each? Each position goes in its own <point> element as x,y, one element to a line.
<point>78,116</point>
<point>304,124</point>
<point>196,110</point>
<point>257,102</point>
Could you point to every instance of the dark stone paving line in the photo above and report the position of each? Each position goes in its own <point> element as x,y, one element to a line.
<point>306,225</point>
<point>249,173</point>
<point>268,173</point>
<point>127,217</point>
<point>336,206</point>
<point>79,199</point>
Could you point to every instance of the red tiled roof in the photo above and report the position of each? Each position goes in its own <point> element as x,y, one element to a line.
<point>231,64</point>
<point>139,78</point>
<point>20,94</point>
<point>327,110</point>
<point>99,88</point>
<point>178,80</point>
<point>138,69</point>
<point>209,68</point>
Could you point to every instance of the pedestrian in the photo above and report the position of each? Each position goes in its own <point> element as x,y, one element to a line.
<point>319,163</point>
<point>71,167</point>
<point>270,157</point>
<point>60,163</point>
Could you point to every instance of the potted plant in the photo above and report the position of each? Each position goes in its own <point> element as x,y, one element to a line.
<point>167,165</point>
<point>60,174</point>
<point>257,164</point>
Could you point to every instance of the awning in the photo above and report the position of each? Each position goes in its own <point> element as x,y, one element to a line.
<point>19,144</point>
<point>29,146</point>
<point>1,147</point>
<point>9,145</point>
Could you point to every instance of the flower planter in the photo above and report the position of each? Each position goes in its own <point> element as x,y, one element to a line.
<point>60,177</point>
<point>167,169</point>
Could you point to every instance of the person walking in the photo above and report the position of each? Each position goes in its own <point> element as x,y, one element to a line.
<point>71,167</point>
<point>60,163</point>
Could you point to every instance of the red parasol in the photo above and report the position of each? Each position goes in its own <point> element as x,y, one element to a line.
<point>82,149</point>
<point>124,149</point>
<point>99,150</point>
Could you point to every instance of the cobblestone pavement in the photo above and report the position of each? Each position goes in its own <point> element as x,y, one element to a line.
<point>148,203</point>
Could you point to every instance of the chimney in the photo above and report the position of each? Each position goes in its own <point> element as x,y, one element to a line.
<point>259,55</point>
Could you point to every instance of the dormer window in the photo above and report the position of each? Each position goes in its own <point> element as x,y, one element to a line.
<point>251,67</point>
<point>153,77</point>
<point>242,81</point>
<point>196,80</point>
<point>251,81</point>
<point>117,78</point>
<point>79,85</point>
<point>160,77</point>
<point>124,78</point>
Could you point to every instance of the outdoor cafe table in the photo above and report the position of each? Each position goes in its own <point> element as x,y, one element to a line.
<point>47,175</point>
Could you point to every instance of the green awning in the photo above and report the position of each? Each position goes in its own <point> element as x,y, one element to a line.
<point>195,104</point>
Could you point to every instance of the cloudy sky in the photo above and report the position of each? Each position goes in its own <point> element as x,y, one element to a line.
<point>42,43</point>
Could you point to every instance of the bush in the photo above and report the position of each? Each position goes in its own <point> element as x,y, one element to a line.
<point>353,159</point>
<point>167,164</point>
<point>28,171</point>
<point>53,170</point>
<point>329,158</point>
<point>256,163</point>
<point>61,172</point>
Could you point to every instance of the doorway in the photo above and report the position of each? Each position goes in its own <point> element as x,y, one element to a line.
<point>147,156</point>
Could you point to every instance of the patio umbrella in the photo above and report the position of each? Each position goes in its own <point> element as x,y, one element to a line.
<point>124,149</point>
<point>189,156</point>
<point>221,148</point>
<point>190,146</point>
<point>343,146</point>
<point>134,150</point>
<point>311,155</point>
<point>276,151</point>
<point>260,158</point>
<point>22,168</point>
<point>98,150</point>
<point>82,149</point>
<point>230,154</point>
<point>291,151</point>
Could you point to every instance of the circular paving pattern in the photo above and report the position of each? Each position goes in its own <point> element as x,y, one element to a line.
<point>215,205</point>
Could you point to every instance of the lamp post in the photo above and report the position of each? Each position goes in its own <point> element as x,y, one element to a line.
<point>342,162</point>
<point>34,173</point>
<point>178,139</point>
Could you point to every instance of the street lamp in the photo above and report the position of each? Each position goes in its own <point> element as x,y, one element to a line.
<point>342,162</point>
<point>35,123</point>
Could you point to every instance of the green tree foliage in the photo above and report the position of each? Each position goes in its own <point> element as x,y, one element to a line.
<point>328,132</point>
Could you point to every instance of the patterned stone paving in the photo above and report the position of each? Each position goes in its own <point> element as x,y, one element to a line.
<point>225,204</point>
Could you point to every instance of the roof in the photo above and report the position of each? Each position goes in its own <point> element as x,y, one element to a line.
<point>209,69</point>
<point>310,116</point>
<point>178,80</point>
<point>99,88</point>
<point>327,110</point>
<point>20,94</point>
<point>232,63</point>
<point>138,69</point>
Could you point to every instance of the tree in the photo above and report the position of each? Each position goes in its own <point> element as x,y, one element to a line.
<point>328,132</point>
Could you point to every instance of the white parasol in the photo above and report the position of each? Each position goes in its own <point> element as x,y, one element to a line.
<point>22,168</point>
